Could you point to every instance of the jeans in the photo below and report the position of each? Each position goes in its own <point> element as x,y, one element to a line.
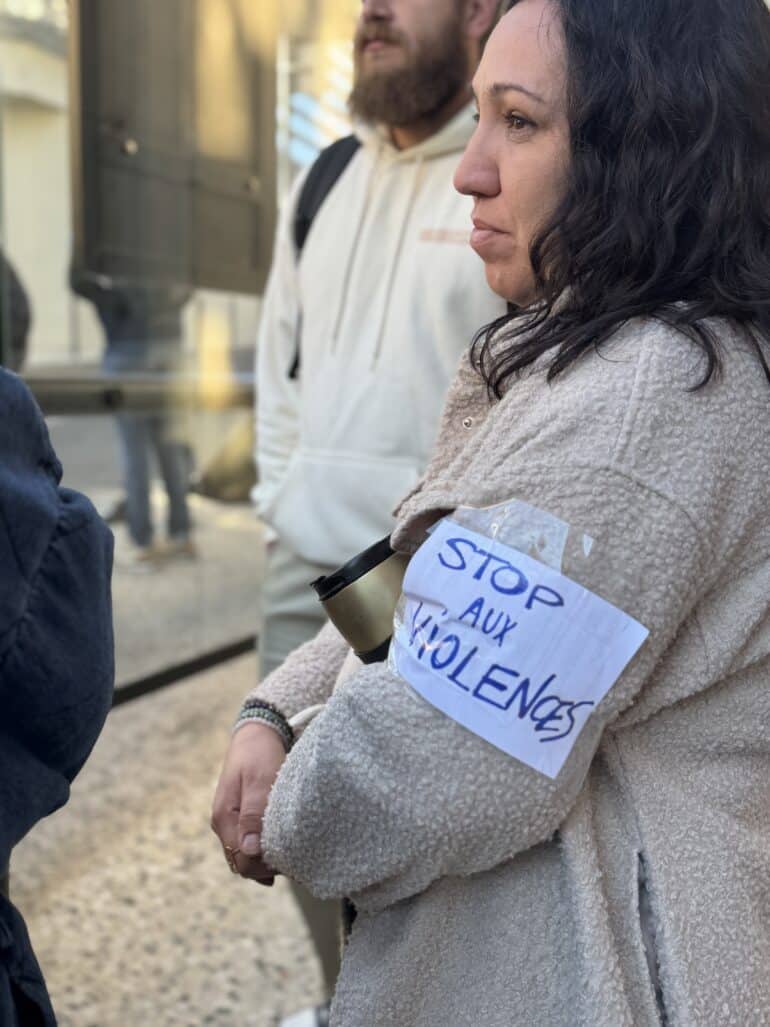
<point>139,435</point>
<point>156,432</point>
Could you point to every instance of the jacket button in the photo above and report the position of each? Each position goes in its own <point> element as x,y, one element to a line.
<point>468,422</point>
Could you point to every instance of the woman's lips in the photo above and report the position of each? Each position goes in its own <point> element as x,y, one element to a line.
<point>486,240</point>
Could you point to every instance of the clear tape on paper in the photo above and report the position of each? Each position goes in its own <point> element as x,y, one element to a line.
<point>490,630</point>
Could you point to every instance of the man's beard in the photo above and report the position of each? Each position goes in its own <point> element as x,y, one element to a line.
<point>429,78</point>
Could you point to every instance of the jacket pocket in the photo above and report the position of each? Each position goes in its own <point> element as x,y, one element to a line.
<point>648,931</point>
<point>332,505</point>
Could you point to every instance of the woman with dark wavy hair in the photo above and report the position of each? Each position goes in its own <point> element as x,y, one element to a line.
<point>550,807</point>
<point>665,209</point>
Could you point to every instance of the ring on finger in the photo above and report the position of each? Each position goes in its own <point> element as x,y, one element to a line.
<point>230,853</point>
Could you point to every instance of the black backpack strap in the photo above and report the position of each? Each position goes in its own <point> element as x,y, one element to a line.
<point>327,168</point>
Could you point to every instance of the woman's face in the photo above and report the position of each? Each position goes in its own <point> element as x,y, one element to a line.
<point>515,165</point>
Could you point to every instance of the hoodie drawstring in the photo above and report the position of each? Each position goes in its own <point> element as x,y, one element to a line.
<point>353,252</point>
<point>416,182</point>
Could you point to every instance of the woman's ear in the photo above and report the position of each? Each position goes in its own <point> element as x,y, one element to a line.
<point>481,17</point>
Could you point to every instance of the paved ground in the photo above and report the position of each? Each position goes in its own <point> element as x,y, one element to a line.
<point>136,920</point>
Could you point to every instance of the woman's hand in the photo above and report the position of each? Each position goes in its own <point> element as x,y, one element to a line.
<point>251,765</point>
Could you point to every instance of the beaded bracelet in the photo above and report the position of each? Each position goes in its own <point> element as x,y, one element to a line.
<point>255,710</point>
<point>256,703</point>
<point>282,729</point>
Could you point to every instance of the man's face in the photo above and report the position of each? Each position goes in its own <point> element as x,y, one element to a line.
<point>411,58</point>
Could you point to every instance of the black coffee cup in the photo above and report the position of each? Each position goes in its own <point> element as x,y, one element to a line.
<point>360,599</point>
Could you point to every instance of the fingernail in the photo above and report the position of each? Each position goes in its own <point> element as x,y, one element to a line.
<point>250,845</point>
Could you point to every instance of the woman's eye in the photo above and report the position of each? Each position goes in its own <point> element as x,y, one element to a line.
<point>516,122</point>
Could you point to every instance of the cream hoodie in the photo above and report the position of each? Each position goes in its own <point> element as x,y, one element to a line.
<point>386,296</point>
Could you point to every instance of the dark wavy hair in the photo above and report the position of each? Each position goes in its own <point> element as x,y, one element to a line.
<point>667,208</point>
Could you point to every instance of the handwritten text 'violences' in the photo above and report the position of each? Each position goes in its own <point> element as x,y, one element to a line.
<point>510,648</point>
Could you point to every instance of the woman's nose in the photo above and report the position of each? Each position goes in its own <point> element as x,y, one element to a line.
<point>477,173</point>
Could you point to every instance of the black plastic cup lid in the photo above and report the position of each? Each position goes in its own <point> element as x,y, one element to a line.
<point>329,585</point>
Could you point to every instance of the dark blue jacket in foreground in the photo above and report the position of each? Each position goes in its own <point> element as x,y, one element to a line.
<point>56,657</point>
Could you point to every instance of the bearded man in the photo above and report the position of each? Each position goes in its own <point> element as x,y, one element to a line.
<point>375,313</point>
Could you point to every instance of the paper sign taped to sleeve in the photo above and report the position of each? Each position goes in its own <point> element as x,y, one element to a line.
<point>514,651</point>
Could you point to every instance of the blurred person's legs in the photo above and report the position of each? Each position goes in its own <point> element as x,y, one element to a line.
<point>291,615</point>
<point>121,357</point>
<point>163,433</point>
<point>134,434</point>
<point>173,460</point>
<point>168,437</point>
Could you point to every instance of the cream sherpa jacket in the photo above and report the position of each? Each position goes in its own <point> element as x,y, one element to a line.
<point>488,894</point>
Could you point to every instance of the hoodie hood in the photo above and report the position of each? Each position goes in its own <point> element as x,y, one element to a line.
<point>449,140</point>
<point>452,138</point>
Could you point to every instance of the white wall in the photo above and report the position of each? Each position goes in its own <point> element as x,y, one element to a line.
<point>36,219</point>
